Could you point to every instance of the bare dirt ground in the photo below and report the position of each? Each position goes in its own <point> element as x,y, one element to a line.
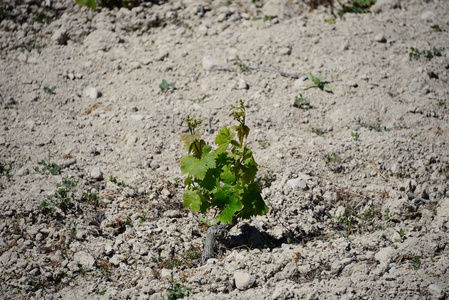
<point>356,180</point>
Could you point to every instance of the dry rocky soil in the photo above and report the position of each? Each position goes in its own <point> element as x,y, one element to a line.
<point>356,179</point>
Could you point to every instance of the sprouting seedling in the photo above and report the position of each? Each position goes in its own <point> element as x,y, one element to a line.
<point>199,100</point>
<point>401,233</point>
<point>164,86</point>
<point>301,102</point>
<point>331,158</point>
<point>441,102</point>
<point>208,223</point>
<point>355,135</point>
<point>318,131</point>
<point>242,67</point>
<point>436,27</point>
<point>416,262</point>
<point>319,82</point>
<point>48,90</point>
<point>429,54</point>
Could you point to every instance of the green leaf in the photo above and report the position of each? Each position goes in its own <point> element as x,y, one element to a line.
<point>223,139</point>
<point>198,167</point>
<point>88,3</point>
<point>253,204</point>
<point>188,139</point>
<point>227,197</point>
<point>227,176</point>
<point>193,200</point>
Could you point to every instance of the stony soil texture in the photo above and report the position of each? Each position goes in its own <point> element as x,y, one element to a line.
<point>356,180</point>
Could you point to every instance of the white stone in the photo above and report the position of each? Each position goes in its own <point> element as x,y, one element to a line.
<point>278,8</point>
<point>243,280</point>
<point>137,117</point>
<point>92,92</point>
<point>166,273</point>
<point>416,86</point>
<point>436,291</point>
<point>210,62</point>
<point>86,260</point>
<point>60,36</point>
<point>96,173</point>
<point>428,16</point>
<point>385,255</point>
<point>297,184</point>
<point>242,84</point>
<point>380,38</point>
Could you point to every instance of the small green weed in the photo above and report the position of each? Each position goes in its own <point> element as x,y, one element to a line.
<point>91,198</point>
<point>6,170</point>
<point>266,19</point>
<point>429,54</point>
<point>371,126</point>
<point>263,143</point>
<point>268,178</point>
<point>355,135</point>
<point>101,293</point>
<point>241,66</point>
<point>401,233</point>
<point>436,27</point>
<point>49,166</point>
<point>50,91</point>
<point>165,86</point>
<point>332,158</point>
<point>416,262</point>
<point>199,100</point>
<point>73,231</point>
<point>355,6</point>
<point>348,220</point>
<point>301,102</point>
<point>318,131</point>
<point>441,102</point>
<point>143,218</point>
<point>29,48</point>
<point>330,21</point>
<point>258,4</point>
<point>176,291</point>
<point>319,82</point>
<point>89,3</point>
<point>41,18</point>
<point>119,183</point>
<point>387,214</point>
<point>62,198</point>
<point>105,272</point>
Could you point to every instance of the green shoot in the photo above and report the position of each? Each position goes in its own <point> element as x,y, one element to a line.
<point>331,158</point>
<point>301,102</point>
<point>436,27</point>
<point>318,131</point>
<point>401,233</point>
<point>241,66</point>
<point>319,82</point>
<point>355,135</point>
<point>199,100</point>
<point>165,86</point>
<point>222,179</point>
<point>416,262</point>
<point>50,91</point>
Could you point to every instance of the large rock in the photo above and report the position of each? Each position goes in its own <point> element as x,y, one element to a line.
<point>243,280</point>
<point>385,5</point>
<point>278,8</point>
<point>101,40</point>
<point>86,260</point>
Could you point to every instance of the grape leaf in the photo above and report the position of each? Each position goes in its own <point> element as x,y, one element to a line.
<point>253,202</point>
<point>227,176</point>
<point>188,139</point>
<point>228,198</point>
<point>223,139</point>
<point>193,199</point>
<point>197,167</point>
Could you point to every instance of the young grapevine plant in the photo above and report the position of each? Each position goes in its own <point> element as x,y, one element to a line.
<point>222,179</point>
